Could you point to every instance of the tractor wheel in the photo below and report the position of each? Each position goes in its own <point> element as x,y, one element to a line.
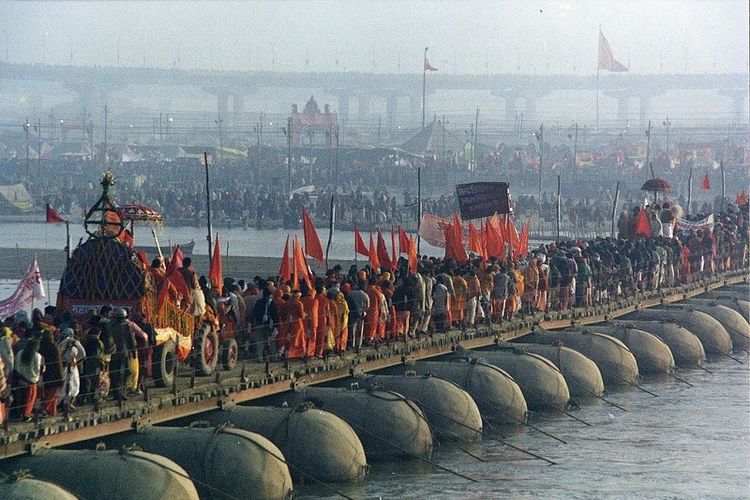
<point>229,353</point>
<point>206,351</point>
<point>164,364</point>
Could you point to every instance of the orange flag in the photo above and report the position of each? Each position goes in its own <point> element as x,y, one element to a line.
<point>741,199</point>
<point>285,271</point>
<point>642,227</point>
<point>373,254</point>
<point>706,184</point>
<point>495,246</point>
<point>359,243</point>
<point>523,242</point>
<point>300,264</point>
<point>174,277</point>
<point>215,273</point>
<point>383,257</point>
<point>512,235</point>
<point>403,240</point>
<point>412,250</point>
<point>313,247</point>
<point>475,243</point>
<point>178,255</point>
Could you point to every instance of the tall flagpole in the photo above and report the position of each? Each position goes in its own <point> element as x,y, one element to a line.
<point>598,64</point>
<point>208,208</point>
<point>424,82</point>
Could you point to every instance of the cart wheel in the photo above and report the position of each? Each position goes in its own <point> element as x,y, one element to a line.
<point>229,354</point>
<point>164,363</point>
<point>206,351</point>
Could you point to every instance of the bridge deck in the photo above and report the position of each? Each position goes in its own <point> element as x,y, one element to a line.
<point>251,380</point>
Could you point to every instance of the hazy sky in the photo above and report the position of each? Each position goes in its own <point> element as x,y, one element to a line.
<point>464,36</point>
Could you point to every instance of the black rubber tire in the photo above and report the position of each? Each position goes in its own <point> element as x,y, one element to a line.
<point>164,364</point>
<point>206,359</point>
<point>229,354</point>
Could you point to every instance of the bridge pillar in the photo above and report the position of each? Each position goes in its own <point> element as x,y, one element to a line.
<point>391,108</point>
<point>222,104</point>
<point>530,106</point>
<point>738,103</point>
<point>363,104</point>
<point>238,105</point>
<point>90,96</point>
<point>344,106</point>
<point>623,104</point>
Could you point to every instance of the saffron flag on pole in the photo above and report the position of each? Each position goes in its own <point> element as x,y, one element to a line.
<point>522,249</point>
<point>215,272</point>
<point>706,184</point>
<point>412,250</point>
<point>173,279</point>
<point>313,247</point>
<point>403,240</point>
<point>373,255</point>
<point>359,243</point>
<point>606,57</point>
<point>38,286</point>
<point>285,270</point>
<point>475,242</point>
<point>300,264</point>
<point>177,256</point>
<point>428,66</point>
<point>53,216</point>
<point>383,257</point>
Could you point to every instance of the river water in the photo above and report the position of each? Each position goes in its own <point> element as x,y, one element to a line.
<point>243,242</point>
<point>689,442</point>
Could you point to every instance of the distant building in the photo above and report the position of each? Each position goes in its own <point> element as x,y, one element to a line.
<point>313,127</point>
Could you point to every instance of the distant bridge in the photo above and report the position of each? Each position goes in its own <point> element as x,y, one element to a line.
<point>95,84</point>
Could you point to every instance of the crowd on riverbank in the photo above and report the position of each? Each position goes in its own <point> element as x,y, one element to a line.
<point>61,362</point>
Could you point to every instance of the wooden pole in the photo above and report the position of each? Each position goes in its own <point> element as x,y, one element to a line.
<point>209,237</point>
<point>575,161</point>
<point>614,207</point>
<point>419,204</point>
<point>723,187</point>
<point>331,228</point>
<point>690,188</point>
<point>558,209</point>
<point>67,241</point>
<point>424,82</point>
<point>648,150</point>
<point>540,136</point>
<point>476,133</point>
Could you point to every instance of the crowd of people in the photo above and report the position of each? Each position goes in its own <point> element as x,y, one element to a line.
<point>54,362</point>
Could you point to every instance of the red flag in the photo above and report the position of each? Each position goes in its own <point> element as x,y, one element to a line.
<point>495,244</point>
<point>475,243</point>
<point>285,270</point>
<point>512,234</point>
<point>642,227</point>
<point>53,216</point>
<point>383,257</point>
<point>174,277</point>
<point>403,240</point>
<point>178,256</point>
<point>741,199</point>
<point>300,264</point>
<point>373,254</point>
<point>313,247</point>
<point>706,184</point>
<point>359,244</point>
<point>523,242</point>
<point>215,272</point>
<point>394,254</point>
<point>412,251</point>
<point>427,65</point>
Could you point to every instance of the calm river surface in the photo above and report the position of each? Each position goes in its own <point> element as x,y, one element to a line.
<point>689,442</point>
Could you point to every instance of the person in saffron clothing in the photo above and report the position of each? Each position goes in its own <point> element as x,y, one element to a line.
<point>340,319</point>
<point>295,320</point>
<point>323,311</point>
<point>311,318</point>
<point>372,319</point>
